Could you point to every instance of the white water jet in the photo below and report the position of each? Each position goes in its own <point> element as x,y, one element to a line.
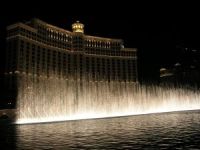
<point>42,99</point>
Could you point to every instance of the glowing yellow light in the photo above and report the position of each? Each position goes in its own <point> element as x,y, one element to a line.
<point>78,27</point>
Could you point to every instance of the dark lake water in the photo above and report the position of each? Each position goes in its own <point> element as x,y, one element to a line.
<point>177,130</point>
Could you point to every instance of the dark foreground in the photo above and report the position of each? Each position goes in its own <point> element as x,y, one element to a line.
<point>177,130</point>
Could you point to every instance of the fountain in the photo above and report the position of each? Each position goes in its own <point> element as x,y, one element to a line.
<point>48,99</point>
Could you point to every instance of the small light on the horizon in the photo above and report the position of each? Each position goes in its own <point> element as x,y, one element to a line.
<point>177,64</point>
<point>194,50</point>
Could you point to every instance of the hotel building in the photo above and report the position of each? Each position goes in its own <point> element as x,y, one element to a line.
<point>39,49</point>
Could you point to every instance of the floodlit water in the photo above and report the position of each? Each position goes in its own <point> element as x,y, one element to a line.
<point>176,130</point>
<point>52,99</point>
<point>56,99</point>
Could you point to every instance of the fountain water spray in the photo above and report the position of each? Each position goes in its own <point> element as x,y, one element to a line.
<point>42,99</point>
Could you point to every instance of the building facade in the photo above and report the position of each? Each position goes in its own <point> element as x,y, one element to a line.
<point>39,49</point>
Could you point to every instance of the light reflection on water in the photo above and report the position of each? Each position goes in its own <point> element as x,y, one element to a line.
<point>154,131</point>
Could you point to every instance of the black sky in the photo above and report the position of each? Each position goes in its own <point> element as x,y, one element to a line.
<point>155,31</point>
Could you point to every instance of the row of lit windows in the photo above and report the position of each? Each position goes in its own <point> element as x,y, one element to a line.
<point>13,32</point>
<point>91,65</point>
<point>54,38</point>
<point>103,44</point>
<point>110,52</point>
<point>27,33</point>
<point>58,35</point>
<point>47,51</point>
<point>37,59</point>
<point>63,40</point>
<point>97,48</point>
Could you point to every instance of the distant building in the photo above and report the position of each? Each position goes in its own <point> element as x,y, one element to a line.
<point>186,70</point>
<point>166,75</point>
<point>37,48</point>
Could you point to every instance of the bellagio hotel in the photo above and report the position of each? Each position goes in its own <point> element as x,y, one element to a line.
<point>42,50</point>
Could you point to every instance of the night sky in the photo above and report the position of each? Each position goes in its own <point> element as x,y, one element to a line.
<point>155,31</point>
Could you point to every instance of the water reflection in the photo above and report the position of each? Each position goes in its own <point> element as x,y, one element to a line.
<point>7,135</point>
<point>155,131</point>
